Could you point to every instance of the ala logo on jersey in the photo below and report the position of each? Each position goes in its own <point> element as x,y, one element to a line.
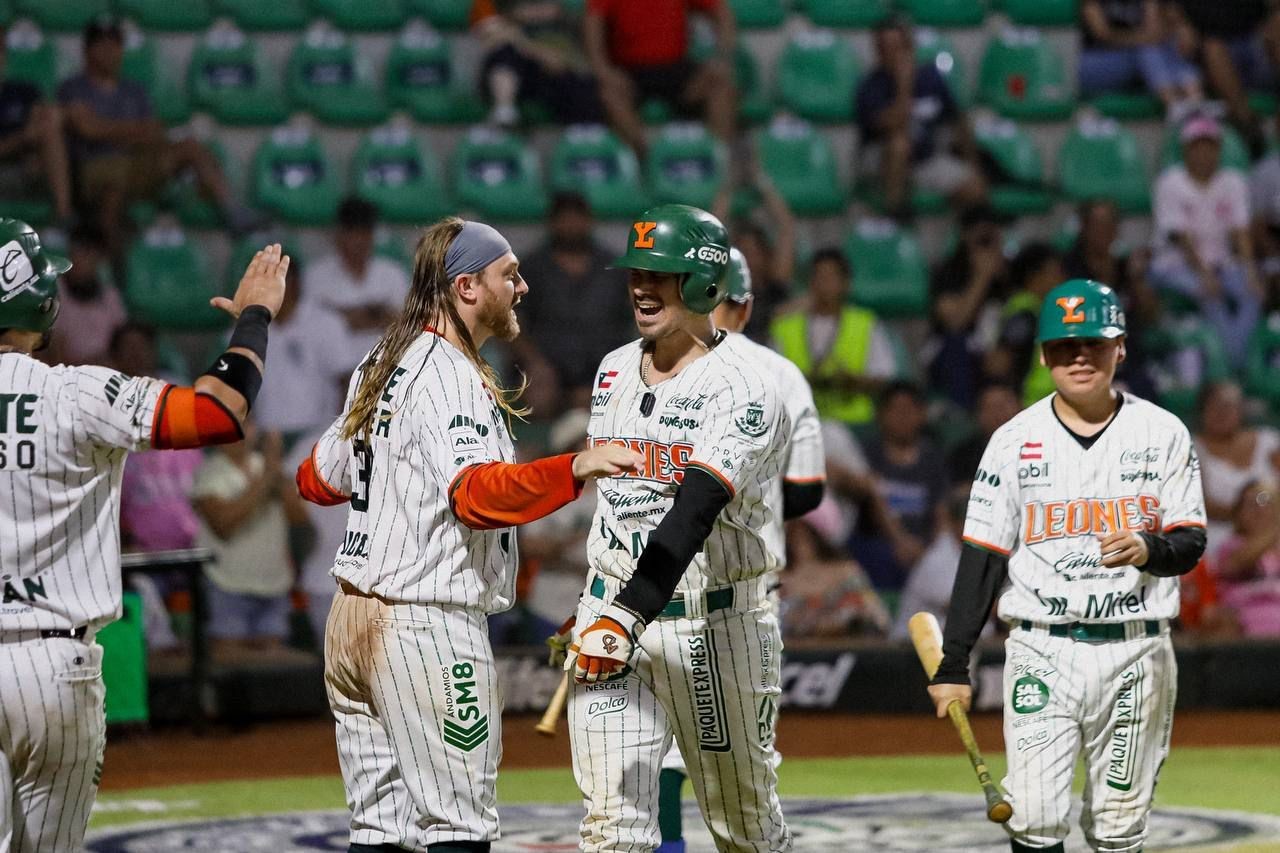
<point>752,422</point>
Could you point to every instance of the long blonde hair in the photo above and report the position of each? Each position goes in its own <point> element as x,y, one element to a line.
<point>430,300</point>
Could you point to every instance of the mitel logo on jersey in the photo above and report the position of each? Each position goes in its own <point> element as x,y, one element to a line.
<point>1049,520</point>
<point>664,463</point>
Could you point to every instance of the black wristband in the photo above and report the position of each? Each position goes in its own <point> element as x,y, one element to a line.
<point>251,330</point>
<point>239,372</point>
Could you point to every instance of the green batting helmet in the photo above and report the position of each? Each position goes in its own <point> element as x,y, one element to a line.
<point>28,279</point>
<point>1080,308</point>
<point>677,238</point>
<point>737,279</point>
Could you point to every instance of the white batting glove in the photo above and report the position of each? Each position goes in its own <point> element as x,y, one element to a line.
<point>604,649</point>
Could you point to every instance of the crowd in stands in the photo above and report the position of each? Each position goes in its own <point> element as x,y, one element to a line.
<point>907,411</point>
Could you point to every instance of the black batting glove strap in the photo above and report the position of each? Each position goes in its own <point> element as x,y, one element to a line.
<point>238,371</point>
<point>251,330</point>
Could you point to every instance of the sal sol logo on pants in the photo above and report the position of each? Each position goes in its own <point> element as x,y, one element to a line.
<point>464,726</point>
<point>1030,694</point>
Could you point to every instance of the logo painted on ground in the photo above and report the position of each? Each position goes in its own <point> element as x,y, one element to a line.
<point>947,823</point>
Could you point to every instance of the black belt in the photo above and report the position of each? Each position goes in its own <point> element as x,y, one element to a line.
<point>64,633</point>
<point>1097,632</point>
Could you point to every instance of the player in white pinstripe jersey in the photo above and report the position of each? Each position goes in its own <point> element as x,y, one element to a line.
<point>1084,510</point>
<point>423,453</point>
<point>64,435</point>
<point>797,491</point>
<point>674,634</point>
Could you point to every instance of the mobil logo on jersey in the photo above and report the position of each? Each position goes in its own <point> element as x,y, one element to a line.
<point>663,463</point>
<point>1049,520</point>
<point>1033,468</point>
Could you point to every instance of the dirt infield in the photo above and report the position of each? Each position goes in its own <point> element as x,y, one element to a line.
<point>306,748</point>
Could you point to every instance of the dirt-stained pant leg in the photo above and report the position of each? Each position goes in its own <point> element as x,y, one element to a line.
<point>52,736</point>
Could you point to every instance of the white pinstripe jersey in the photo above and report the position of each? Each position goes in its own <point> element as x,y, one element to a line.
<point>403,542</point>
<point>64,435</point>
<point>805,460</point>
<point>721,413</point>
<point>1042,498</point>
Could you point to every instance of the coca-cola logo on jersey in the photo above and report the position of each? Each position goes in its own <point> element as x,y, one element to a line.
<point>1140,457</point>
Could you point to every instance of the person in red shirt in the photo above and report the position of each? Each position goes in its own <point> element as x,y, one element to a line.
<point>640,51</point>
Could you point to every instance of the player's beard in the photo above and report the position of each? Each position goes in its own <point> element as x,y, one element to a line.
<point>499,317</point>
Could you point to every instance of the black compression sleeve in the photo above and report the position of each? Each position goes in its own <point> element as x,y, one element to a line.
<point>251,330</point>
<point>1173,553</point>
<point>674,543</point>
<point>800,498</point>
<point>978,582</point>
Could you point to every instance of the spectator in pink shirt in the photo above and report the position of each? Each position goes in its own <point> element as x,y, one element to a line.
<point>90,308</point>
<point>1248,564</point>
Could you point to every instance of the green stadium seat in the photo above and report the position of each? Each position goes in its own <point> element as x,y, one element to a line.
<point>443,14</point>
<point>124,664</point>
<point>37,210</point>
<point>257,16</point>
<point>847,13</point>
<point>387,245</point>
<point>1235,153</point>
<point>328,78</point>
<point>1023,77</point>
<point>1101,159</point>
<point>1042,13</point>
<point>390,170</point>
<point>168,284</point>
<point>228,79</point>
<point>1265,103</point>
<point>754,105</point>
<point>361,15</point>
<point>686,165</point>
<point>499,176</point>
<point>6,13</point>
<point>31,57</point>
<point>758,14</point>
<point>817,76</point>
<point>1182,354</point>
<point>802,166</point>
<point>1013,150</point>
<point>945,13</point>
<point>63,16</point>
<point>183,195</point>
<point>167,98</point>
<point>1128,106</point>
<point>293,178</point>
<point>168,15</point>
<point>589,159</point>
<point>934,47</point>
<point>891,274</point>
<point>422,79</point>
<point>1262,361</point>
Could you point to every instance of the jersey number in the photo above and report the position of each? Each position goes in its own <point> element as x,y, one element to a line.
<point>22,455</point>
<point>364,470</point>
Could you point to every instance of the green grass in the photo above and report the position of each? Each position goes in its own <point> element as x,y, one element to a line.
<point>1239,779</point>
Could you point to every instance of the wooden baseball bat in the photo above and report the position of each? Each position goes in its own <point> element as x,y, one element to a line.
<point>927,638</point>
<point>551,716</point>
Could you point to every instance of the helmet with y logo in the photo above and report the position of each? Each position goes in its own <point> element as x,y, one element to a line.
<point>1080,308</point>
<point>688,241</point>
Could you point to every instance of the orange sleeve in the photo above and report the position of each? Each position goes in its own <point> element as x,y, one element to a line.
<point>312,486</point>
<point>186,418</point>
<point>503,494</point>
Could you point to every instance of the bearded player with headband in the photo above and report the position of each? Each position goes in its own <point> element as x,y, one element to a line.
<point>1084,511</point>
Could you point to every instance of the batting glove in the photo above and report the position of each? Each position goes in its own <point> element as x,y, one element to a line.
<point>604,650</point>
<point>559,643</point>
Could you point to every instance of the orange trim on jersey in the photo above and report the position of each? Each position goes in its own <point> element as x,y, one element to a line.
<point>800,481</point>
<point>491,495</point>
<point>312,485</point>
<point>713,472</point>
<point>1178,524</point>
<point>1004,552</point>
<point>189,418</point>
<point>432,329</point>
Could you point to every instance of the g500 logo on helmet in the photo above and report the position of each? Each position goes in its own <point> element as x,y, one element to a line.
<point>714,254</point>
<point>16,272</point>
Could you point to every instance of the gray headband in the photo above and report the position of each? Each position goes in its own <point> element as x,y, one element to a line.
<point>476,246</point>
